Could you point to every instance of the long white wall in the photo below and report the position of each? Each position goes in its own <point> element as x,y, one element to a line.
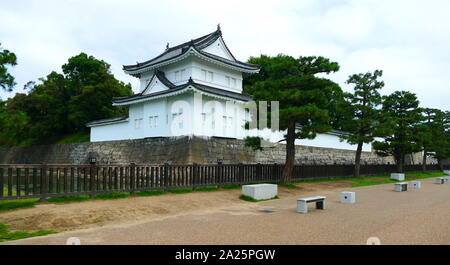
<point>178,115</point>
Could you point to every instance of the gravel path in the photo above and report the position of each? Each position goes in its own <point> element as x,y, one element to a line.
<point>414,217</point>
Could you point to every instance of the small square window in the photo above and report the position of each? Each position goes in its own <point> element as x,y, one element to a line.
<point>210,76</point>
<point>204,72</point>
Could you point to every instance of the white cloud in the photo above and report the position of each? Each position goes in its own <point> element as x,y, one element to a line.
<point>409,40</point>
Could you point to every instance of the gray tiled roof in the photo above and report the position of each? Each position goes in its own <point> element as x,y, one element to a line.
<point>201,87</point>
<point>108,120</point>
<point>198,44</point>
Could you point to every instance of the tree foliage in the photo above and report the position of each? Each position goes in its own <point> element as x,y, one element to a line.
<point>434,136</point>
<point>360,113</point>
<point>402,117</point>
<point>305,99</point>
<point>7,58</point>
<point>62,103</point>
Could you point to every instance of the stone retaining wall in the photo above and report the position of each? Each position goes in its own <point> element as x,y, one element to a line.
<point>179,150</point>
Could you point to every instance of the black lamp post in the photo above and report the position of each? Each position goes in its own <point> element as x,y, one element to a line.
<point>92,160</point>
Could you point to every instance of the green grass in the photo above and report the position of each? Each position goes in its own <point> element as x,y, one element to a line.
<point>377,179</point>
<point>112,196</point>
<point>231,187</point>
<point>181,190</point>
<point>208,188</point>
<point>250,199</point>
<point>150,193</point>
<point>289,186</point>
<point>7,235</point>
<point>74,138</point>
<point>65,199</point>
<point>17,204</point>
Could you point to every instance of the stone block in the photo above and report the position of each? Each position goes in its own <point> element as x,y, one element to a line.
<point>348,197</point>
<point>415,184</point>
<point>260,191</point>
<point>398,176</point>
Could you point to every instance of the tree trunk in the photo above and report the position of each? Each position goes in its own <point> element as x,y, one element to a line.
<point>358,160</point>
<point>424,160</point>
<point>400,161</point>
<point>290,155</point>
<point>441,166</point>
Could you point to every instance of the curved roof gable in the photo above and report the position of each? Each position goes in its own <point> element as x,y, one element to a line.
<point>164,83</point>
<point>202,45</point>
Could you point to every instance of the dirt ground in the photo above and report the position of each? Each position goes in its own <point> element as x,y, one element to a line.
<point>61,217</point>
<point>414,217</point>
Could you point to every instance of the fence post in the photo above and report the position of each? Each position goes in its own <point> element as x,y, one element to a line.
<point>1,182</point>
<point>240,173</point>
<point>92,174</point>
<point>132,180</point>
<point>166,176</point>
<point>258,172</point>
<point>274,172</point>
<point>220,174</point>
<point>43,183</point>
<point>194,175</point>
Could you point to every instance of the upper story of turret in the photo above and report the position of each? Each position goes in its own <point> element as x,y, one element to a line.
<point>206,60</point>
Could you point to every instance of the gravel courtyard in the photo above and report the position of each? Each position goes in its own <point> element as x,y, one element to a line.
<point>415,217</point>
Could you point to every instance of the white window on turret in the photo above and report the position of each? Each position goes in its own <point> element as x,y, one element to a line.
<point>233,82</point>
<point>204,72</point>
<point>175,115</point>
<point>203,119</point>
<point>230,81</point>
<point>177,76</point>
<point>210,76</point>
<point>182,74</point>
<point>137,123</point>
<point>153,121</point>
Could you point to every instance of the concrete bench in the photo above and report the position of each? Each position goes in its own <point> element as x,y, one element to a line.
<point>260,191</point>
<point>415,184</point>
<point>446,179</point>
<point>398,176</point>
<point>440,180</point>
<point>401,186</point>
<point>302,203</point>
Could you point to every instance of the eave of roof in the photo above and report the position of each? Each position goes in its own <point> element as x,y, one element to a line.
<point>202,88</point>
<point>107,121</point>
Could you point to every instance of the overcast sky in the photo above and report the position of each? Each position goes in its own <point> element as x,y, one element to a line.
<point>409,40</point>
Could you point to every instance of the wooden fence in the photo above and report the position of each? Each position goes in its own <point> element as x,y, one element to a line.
<point>43,181</point>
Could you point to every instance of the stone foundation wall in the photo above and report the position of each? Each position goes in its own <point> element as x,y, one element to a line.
<point>179,150</point>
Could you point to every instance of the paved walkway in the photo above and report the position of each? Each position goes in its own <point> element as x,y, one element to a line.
<point>414,217</point>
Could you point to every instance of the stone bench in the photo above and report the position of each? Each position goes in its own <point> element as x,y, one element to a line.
<point>398,176</point>
<point>441,180</point>
<point>302,203</point>
<point>415,184</point>
<point>401,186</point>
<point>260,191</point>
